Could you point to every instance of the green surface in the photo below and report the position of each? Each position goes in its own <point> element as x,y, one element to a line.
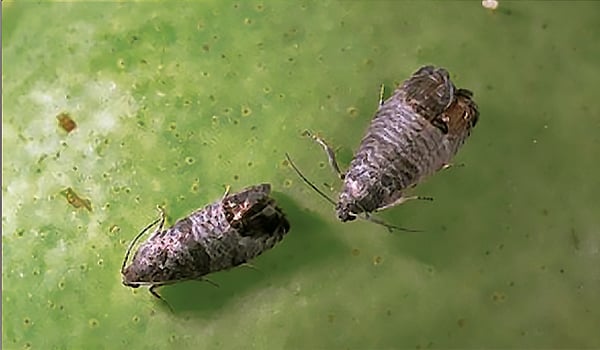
<point>173,103</point>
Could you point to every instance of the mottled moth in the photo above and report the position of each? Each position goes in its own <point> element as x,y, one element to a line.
<point>222,235</point>
<point>414,133</point>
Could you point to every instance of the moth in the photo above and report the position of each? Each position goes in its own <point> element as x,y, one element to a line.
<point>222,235</point>
<point>414,133</point>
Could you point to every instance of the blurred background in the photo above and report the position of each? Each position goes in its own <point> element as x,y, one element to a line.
<point>112,108</point>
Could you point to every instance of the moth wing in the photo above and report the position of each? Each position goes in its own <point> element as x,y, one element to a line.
<point>429,92</point>
<point>250,194</point>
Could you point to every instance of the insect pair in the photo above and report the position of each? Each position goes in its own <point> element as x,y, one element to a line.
<point>414,133</point>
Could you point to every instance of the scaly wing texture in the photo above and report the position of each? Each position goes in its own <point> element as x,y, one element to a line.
<point>429,91</point>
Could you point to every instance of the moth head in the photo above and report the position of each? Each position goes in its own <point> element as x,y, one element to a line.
<point>130,277</point>
<point>344,213</point>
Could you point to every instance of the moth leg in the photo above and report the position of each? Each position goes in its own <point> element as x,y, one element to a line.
<point>403,200</point>
<point>163,218</point>
<point>204,279</point>
<point>227,188</point>
<point>329,151</point>
<point>379,222</point>
<point>451,165</point>
<point>369,217</point>
<point>391,228</point>
<point>381,91</point>
<point>153,292</point>
<point>250,266</point>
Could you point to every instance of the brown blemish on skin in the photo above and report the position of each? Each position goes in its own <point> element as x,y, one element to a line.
<point>66,122</point>
<point>75,200</point>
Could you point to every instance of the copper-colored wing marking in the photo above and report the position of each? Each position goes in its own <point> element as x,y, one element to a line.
<point>462,115</point>
<point>429,92</point>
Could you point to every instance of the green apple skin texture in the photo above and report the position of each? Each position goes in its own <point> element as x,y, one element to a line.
<point>174,103</point>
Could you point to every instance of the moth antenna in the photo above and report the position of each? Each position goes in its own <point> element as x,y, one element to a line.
<point>308,181</point>
<point>161,218</point>
<point>153,292</point>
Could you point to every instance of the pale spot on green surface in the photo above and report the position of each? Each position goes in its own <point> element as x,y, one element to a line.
<point>93,323</point>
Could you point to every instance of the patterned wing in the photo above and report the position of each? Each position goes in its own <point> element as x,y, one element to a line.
<point>429,92</point>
